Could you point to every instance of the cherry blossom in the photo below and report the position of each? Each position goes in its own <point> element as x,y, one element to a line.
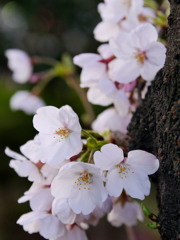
<point>129,173</point>
<point>110,119</point>
<point>81,184</point>
<point>20,64</point>
<point>26,102</point>
<point>108,29</point>
<point>94,66</point>
<point>125,213</point>
<point>138,54</point>
<point>39,197</point>
<point>30,165</point>
<point>45,223</point>
<point>59,133</point>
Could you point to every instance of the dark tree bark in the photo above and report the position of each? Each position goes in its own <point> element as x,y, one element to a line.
<point>155,128</point>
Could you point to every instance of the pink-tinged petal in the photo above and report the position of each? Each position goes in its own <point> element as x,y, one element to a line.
<point>51,227</point>
<point>143,35</point>
<point>144,161</point>
<point>105,51</point>
<point>14,155</point>
<point>42,200</point>
<point>82,203</point>
<point>105,30</point>
<point>121,46</point>
<point>47,120</point>
<point>86,59</point>
<point>96,96</point>
<point>149,70</point>
<point>114,184</point>
<point>136,184</point>
<point>109,156</point>
<point>122,104</point>
<point>31,149</point>
<point>111,120</point>
<point>30,217</point>
<point>62,210</point>
<point>156,54</point>
<point>124,71</point>
<point>69,118</point>
<point>62,185</point>
<point>74,233</point>
<point>92,73</point>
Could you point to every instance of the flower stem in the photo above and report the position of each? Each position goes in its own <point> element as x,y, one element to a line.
<point>73,83</point>
<point>130,233</point>
<point>43,82</point>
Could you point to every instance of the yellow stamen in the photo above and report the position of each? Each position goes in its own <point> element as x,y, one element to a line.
<point>140,57</point>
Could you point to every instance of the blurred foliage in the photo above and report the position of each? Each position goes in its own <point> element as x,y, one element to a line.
<point>44,28</point>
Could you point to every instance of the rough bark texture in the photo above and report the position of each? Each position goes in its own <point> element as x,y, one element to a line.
<point>155,128</point>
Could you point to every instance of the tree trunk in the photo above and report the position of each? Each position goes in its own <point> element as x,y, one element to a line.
<point>155,128</point>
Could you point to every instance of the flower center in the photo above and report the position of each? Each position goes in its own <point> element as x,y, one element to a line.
<point>123,170</point>
<point>84,180</point>
<point>142,18</point>
<point>140,57</point>
<point>63,132</point>
<point>126,2</point>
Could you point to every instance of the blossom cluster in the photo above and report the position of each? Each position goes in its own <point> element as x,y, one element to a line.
<point>130,56</point>
<point>78,176</point>
<point>69,193</point>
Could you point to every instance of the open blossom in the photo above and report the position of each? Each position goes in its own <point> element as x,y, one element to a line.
<point>115,10</point>
<point>26,102</point>
<point>129,173</point>
<point>125,213</point>
<point>59,133</point>
<point>45,223</point>
<point>30,165</point>
<point>94,66</point>
<point>110,119</point>
<point>108,29</point>
<point>81,184</point>
<point>138,54</point>
<point>20,64</point>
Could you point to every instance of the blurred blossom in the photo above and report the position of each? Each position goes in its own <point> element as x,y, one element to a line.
<point>26,101</point>
<point>20,64</point>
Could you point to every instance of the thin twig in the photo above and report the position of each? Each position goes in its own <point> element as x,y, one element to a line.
<point>130,233</point>
<point>73,83</point>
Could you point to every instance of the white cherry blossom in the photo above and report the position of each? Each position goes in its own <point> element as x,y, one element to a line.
<point>20,64</point>
<point>110,119</point>
<point>26,102</point>
<point>81,184</point>
<point>45,223</point>
<point>115,10</point>
<point>138,54</point>
<point>94,66</point>
<point>125,213</point>
<point>30,165</point>
<point>59,133</point>
<point>39,197</point>
<point>129,173</point>
<point>107,29</point>
<point>23,166</point>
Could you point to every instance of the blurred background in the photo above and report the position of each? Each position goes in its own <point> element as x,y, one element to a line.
<point>43,28</point>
